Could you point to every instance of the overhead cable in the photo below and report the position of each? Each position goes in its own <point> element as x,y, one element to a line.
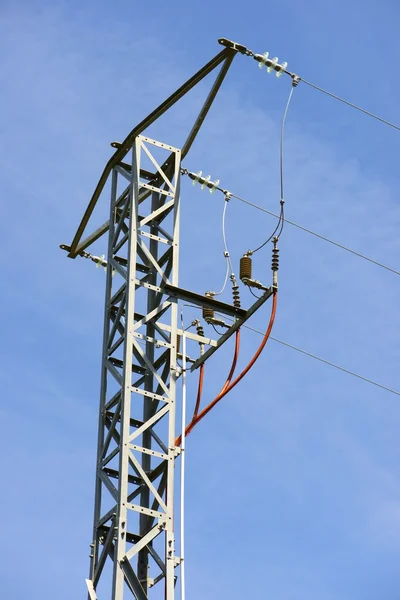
<point>318,235</point>
<point>229,268</point>
<point>319,358</point>
<point>279,228</point>
<point>327,362</point>
<point>273,65</point>
<point>366,112</point>
<point>281,154</point>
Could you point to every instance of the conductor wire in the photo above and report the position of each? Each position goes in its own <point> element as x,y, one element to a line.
<point>318,235</point>
<point>279,227</point>
<point>366,112</point>
<point>320,359</point>
<point>281,156</point>
<point>229,268</point>
<point>326,362</point>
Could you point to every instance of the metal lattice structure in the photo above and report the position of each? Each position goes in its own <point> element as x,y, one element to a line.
<point>136,450</point>
<point>133,545</point>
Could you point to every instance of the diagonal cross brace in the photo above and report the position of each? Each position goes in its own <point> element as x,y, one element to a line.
<point>226,55</point>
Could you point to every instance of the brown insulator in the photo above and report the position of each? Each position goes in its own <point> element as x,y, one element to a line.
<point>275,259</point>
<point>208,314</point>
<point>200,331</point>
<point>178,343</point>
<point>245,267</point>
<point>236,296</point>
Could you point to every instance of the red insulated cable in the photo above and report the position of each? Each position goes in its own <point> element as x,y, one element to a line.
<point>199,392</point>
<point>234,362</point>
<point>228,388</point>
<point>200,386</point>
<point>178,440</point>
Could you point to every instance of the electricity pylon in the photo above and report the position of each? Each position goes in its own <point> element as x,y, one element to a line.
<point>133,545</point>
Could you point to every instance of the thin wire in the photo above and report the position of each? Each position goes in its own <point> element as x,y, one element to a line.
<point>229,269</point>
<point>255,295</point>
<point>280,217</point>
<point>184,329</point>
<point>215,329</point>
<point>327,362</point>
<point>366,112</point>
<point>318,235</point>
<point>227,255</point>
<point>323,360</point>
<point>282,199</point>
<point>182,307</point>
<point>281,156</point>
<point>225,281</point>
<point>282,220</point>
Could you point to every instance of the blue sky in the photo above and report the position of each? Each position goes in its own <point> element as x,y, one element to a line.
<point>293,488</point>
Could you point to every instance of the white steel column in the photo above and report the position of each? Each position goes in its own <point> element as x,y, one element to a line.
<point>133,539</point>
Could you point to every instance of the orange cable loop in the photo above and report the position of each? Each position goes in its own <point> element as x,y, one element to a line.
<point>200,386</point>
<point>229,386</point>
<point>199,391</point>
<point>234,362</point>
<point>178,440</point>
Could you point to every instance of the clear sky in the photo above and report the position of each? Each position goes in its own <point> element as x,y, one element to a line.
<point>293,489</point>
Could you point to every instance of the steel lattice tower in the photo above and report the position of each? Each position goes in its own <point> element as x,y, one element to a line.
<point>136,450</point>
<point>133,545</point>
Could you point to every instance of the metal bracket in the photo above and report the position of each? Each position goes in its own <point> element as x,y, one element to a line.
<point>204,301</point>
<point>224,58</point>
<point>235,46</point>
<point>238,323</point>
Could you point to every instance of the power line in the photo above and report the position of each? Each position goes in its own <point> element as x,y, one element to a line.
<point>229,269</point>
<point>280,69</point>
<point>281,156</point>
<point>225,280</point>
<point>366,112</point>
<point>214,186</point>
<point>272,64</point>
<point>318,235</point>
<point>327,362</point>
<point>314,356</point>
<point>226,251</point>
<point>281,217</point>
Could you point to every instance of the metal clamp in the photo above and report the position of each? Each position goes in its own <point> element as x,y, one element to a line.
<point>235,46</point>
